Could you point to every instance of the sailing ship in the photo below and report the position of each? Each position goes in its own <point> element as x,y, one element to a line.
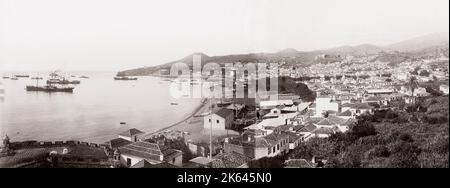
<point>57,79</point>
<point>49,88</point>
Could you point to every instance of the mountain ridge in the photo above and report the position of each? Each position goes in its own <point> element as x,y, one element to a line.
<point>428,42</point>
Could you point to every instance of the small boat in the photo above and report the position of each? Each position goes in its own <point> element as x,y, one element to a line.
<point>173,103</point>
<point>123,123</point>
<point>5,77</point>
<point>37,78</point>
<point>84,77</point>
<point>124,78</point>
<point>14,78</point>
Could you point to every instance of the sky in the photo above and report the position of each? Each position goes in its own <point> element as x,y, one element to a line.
<point>115,35</point>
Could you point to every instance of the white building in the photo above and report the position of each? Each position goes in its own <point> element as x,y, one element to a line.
<point>221,120</point>
<point>325,104</point>
<point>131,135</point>
<point>444,89</point>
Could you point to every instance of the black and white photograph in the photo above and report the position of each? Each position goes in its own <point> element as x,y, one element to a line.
<point>224,84</point>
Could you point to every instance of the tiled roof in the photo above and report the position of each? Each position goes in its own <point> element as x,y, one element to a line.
<point>224,112</point>
<point>201,160</point>
<point>292,137</point>
<point>357,105</point>
<point>275,137</point>
<point>325,122</point>
<point>147,150</point>
<point>298,163</point>
<point>336,120</point>
<point>362,106</point>
<point>345,113</point>
<point>145,164</point>
<point>131,132</point>
<point>314,119</point>
<point>86,152</point>
<point>308,128</point>
<point>142,164</point>
<point>163,165</point>
<point>324,130</point>
<point>229,160</point>
<point>118,142</point>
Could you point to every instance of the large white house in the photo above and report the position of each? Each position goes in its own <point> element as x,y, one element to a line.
<point>325,103</point>
<point>221,120</point>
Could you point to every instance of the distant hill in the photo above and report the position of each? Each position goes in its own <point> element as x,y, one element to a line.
<point>420,43</point>
<point>355,50</point>
<point>436,43</point>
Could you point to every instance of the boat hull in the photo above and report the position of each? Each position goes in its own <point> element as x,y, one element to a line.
<point>50,89</point>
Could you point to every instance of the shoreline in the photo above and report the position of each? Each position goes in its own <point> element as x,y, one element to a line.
<point>190,116</point>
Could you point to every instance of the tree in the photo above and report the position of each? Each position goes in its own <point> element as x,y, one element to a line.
<point>424,73</point>
<point>413,84</point>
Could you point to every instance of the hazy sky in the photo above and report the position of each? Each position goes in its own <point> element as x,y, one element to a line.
<point>122,34</point>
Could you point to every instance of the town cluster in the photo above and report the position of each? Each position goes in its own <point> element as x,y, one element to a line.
<point>245,130</point>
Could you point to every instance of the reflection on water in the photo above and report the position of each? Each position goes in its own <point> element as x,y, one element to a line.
<point>93,112</point>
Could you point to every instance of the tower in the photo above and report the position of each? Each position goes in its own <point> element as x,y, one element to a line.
<point>116,159</point>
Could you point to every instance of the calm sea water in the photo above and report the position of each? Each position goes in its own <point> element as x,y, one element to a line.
<point>93,112</point>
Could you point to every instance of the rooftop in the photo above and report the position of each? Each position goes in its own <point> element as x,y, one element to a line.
<point>298,163</point>
<point>224,112</point>
<point>147,150</point>
<point>131,132</point>
<point>229,160</point>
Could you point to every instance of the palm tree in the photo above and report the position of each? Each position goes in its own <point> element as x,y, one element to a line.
<point>413,84</point>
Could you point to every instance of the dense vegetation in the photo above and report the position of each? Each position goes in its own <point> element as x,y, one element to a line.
<point>416,136</point>
<point>289,85</point>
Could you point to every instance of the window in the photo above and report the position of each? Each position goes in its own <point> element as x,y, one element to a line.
<point>128,162</point>
<point>273,149</point>
<point>270,151</point>
<point>278,146</point>
<point>173,161</point>
<point>218,121</point>
<point>210,120</point>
